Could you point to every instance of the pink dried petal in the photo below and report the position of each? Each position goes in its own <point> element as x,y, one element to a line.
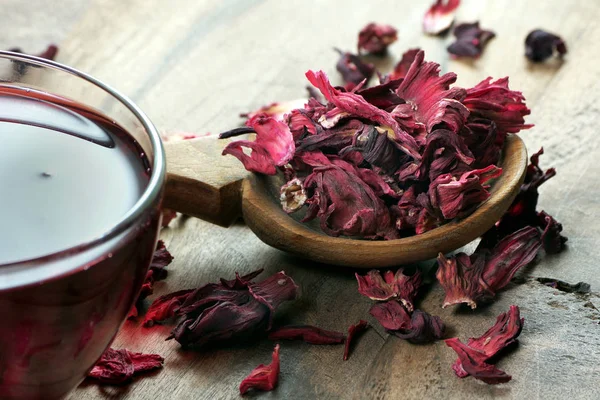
<point>496,102</point>
<point>401,69</point>
<point>273,147</point>
<point>399,286</point>
<point>454,197</point>
<point>356,105</point>
<point>353,69</point>
<point>263,377</point>
<point>292,196</point>
<point>471,363</point>
<point>479,350</point>
<point>541,45</point>
<point>300,123</point>
<point>440,16</point>
<point>470,40</point>
<point>308,333</point>
<point>391,315</point>
<point>460,277</point>
<point>353,332</point>
<point>375,38</point>
<point>165,307</point>
<point>429,99</point>
<point>119,366</point>
<point>424,328</point>
<point>276,110</point>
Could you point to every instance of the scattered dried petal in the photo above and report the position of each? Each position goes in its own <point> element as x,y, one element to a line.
<point>398,286</point>
<point>401,69</point>
<point>541,45</point>
<point>473,356</point>
<point>353,69</point>
<point>552,240</point>
<point>165,307</point>
<point>273,147</point>
<point>263,377</point>
<point>353,332</point>
<point>470,40</point>
<point>440,16</point>
<point>391,315</point>
<point>579,287</point>
<point>375,38</point>
<point>119,366</point>
<point>424,328</point>
<point>308,333</point>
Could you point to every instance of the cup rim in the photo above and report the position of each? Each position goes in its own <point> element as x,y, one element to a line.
<point>149,196</point>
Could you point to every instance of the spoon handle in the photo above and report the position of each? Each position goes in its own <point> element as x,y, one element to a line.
<point>203,183</point>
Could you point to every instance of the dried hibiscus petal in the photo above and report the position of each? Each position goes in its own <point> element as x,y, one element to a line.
<point>471,279</point>
<point>353,69</point>
<point>165,307</point>
<point>541,45</point>
<point>119,366</point>
<point>424,328</point>
<point>375,38</point>
<point>353,332</point>
<point>308,333</point>
<point>231,309</point>
<point>474,355</point>
<point>263,377</point>
<point>401,69</point>
<point>390,286</point>
<point>391,315</point>
<point>440,16</point>
<point>273,147</point>
<point>470,40</point>
<point>552,240</point>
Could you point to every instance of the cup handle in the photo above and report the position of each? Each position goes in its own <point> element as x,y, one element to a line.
<point>203,183</point>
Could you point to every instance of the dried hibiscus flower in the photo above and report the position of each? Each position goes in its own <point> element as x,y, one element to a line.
<point>120,366</point>
<point>222,311</point>
<point>353,332</point>
<point>419,328</point>
<point>353,69</point>
<point>541,45</point>
<point>472,279</point>
<point>309,334</point>
<point>440,16</point>
<point>375,38</point>
<point>392,160</point>
<point>473,357</point>
<point>390,286</point>
<point>263,377</point>
<point>470,40</point>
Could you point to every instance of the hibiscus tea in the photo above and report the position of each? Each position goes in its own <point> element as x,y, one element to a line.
<point>69,175</point>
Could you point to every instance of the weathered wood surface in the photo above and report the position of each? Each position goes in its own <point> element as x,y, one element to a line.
<point>194,65</point>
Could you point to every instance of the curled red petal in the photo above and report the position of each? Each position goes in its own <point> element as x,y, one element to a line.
<point>472,364</point>
<point>402,67</point>
<point>353,332</point>
<point>273,147</point>
<point>165,307</point>
<point>353,69</point>
<point>308,333</point>
<point>552,239</point>
<point>440,16</point>
<point>391,315</point>
<point>375,38</point>
<point>541,45</point>
<point>160,260</point>
<point>263,377</point>
<point>424,328</point>
<point>119,366</point>
<point>470,40</point>
<point>460,277</point>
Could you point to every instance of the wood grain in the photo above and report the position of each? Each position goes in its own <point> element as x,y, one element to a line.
<point>195,65</point>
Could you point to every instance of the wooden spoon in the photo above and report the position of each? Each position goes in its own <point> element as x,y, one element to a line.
<point>204,184</point>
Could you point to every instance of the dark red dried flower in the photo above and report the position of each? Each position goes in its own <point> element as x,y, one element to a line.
<point>273,147</point>
<point>263,377</point>
<point>496,102</point>
<point>454,197</point>
<point>473,356</point>
<point>470,40</point>
<point>375,38</point>
<point>552,240</point>
<point>120,366</point>
<point>353,332</point>
<point>401,69</point>
<point>391,315</point>
<point>308,333</point>
<point>165,307</point>
<point>230,309</point>
<point>541,45</point>
<point>353,69</point>
<point>440,16</point>
<point>424,328</point>
<point>390,286</point>
<point>471,279</point>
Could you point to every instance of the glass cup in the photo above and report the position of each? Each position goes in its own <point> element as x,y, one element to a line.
<point>59,312</point>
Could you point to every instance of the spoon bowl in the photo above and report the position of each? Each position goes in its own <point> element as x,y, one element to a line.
<point>202,183</point>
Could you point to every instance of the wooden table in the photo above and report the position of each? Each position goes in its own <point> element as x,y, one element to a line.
<point>195,65</point>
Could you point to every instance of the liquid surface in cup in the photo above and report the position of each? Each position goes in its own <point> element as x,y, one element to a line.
<point>67,175</point>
